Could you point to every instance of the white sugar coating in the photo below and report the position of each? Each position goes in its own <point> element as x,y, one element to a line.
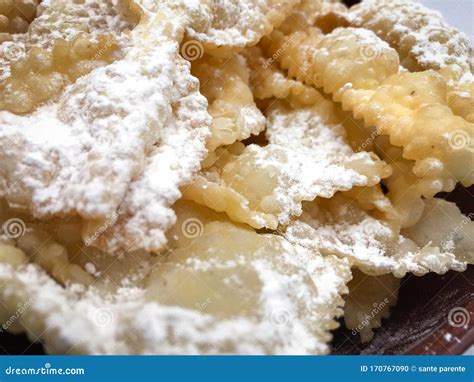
<point>292,299</point>
<point>306,158</point>
<point>375,246</point>
<point>66,19</point>
<point>367,38</point>
<point>126,135</point>
<point>318,160</point>
<point>118,144</point>
<point>466,78</point>
<point>235,24</point>
<point>443,225</point>
<point>415,31</point>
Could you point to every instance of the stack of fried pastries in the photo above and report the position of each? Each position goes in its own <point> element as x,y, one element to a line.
<point>209,177</point>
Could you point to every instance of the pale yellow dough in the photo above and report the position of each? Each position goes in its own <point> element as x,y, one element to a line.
<point>221,288</point>
<point>225,177</point>
<point>362,71</point>
<point>368,302</point>
<point>225,84</point>
<point>307,157</point>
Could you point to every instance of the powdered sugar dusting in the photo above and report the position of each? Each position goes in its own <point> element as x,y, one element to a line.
<point>115,136</point>
<point>306,158</point>
<point>66,19</point>
<point>416,32</point>
<point>317,159</point>
<point>372,245</point>
<point>292,296</point>
<point>62,19</point>
<point>237,23</point>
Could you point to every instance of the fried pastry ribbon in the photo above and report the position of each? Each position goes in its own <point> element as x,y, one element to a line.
<point>225,84</point>
<point>362,71</point>
<point>375,244</point>
<point>307,157</point>
<point>368,302</point>
<point>424,40</point>
<point>118,142</point>
<point>221,288</point>
<point>232,25</point>
<point>65,41</point>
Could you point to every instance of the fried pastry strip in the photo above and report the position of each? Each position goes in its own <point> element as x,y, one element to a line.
<point>421,36</point>
<point>232,25</point>
<point>225,84</point>
<point>118,143</point>
<point>362,72</point>
<point>424,40</point>
<point>368,302</point>
<point>375,245</point>
<point>16,16</point>
<point>307,157</point>
<point>222,288</point>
